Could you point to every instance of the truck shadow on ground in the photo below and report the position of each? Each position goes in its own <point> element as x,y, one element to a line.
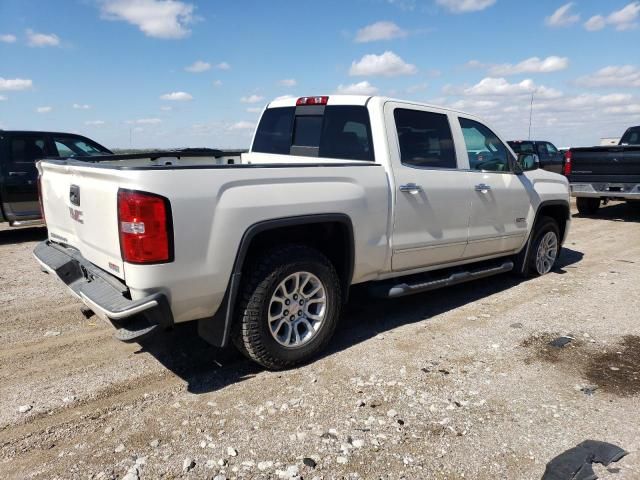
<point>21,235</point>
<point>615,212</point>
<point>206,369</point>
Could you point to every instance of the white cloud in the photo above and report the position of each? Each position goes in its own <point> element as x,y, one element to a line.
<point>406,5</point>
<point>177,96</point>
<point>284,97</point>
<point>79,106</point>
<point>360,88</point>
<point>7,38</point>
<point>563,17</point>
<point>474,64</point>
<point>464,6</point>
<point>242,126</point>
<point>475,105</point>
<point>252,99</point>
<point>166,108</point>
<point>595,23</point>
<point>254,109</point>
<point>491,86</point>
<point>223,66</point>
<point>44,109</point>
<point>35,39</point>
<point>614,98</point>
<point>633,109</point>
<point>531,65</point>
<point>388,65</point>
<point>156,18</point>
<point>288,82</point>
<point>15,84</point>
<point>198,67</point>
<point>94,123</point>
<point>379,31</point>
<point>148,121</point>
<point>626,76</point>
<point>417,88</point>
<point>624,19</point>
<point>3,98</point>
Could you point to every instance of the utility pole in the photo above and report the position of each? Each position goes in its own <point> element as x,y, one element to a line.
<point>531,114</point>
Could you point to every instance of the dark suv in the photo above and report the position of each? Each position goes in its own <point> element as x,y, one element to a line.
<point>19,150</point>
<point>550,157</point>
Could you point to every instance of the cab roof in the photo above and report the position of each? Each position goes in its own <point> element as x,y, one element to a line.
<point>359,100</point>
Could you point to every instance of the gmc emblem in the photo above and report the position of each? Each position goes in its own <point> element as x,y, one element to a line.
<point>76,215</point>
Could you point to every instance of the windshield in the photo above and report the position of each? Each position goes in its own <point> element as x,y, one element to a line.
<point>78,147</point>
<point>631,137</point>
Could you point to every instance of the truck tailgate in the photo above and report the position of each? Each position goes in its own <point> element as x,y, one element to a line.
<point>80,208</point>
<point>622,161</point>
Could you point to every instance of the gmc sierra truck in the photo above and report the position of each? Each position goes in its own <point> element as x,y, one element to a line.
<point>335,191</point>
<point>600,174</point>
<point>19,152</point>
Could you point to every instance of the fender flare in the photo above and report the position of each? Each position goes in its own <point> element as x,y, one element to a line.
<point>546,203</point>
<point>216,330</point>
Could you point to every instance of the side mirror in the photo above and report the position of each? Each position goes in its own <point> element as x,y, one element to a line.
<point>527,162</point>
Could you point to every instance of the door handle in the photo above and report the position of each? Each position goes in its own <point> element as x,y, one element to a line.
<point>482,187</point>
<point>411,188</point>
<point>17,174</point>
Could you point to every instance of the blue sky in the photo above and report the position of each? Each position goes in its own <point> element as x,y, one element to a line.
<point>169,73</point>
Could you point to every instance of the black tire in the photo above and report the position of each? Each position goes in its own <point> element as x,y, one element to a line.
<point>525,261</point>
<point>587,206</point>
<point>252,335</point>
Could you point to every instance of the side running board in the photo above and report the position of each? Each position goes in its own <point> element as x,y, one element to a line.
<point>422,285</point>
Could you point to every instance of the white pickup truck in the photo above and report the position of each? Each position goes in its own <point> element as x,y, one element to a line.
<point>335,191</point>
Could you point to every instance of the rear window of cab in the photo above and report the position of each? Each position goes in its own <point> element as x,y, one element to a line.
<point>333,131</point>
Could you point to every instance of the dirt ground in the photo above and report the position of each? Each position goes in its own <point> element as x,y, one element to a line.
<point>457,383</point>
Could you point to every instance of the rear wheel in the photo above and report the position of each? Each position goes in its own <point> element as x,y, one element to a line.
<point>289,307</point>
<point>587,206</point>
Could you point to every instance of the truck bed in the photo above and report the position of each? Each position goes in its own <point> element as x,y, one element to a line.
<point>236,196</point>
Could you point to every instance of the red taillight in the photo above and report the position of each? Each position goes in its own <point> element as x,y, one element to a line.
<point>40,199</point>
<point>312,101</point>
<point>144,221</point>
<point>566,169</point>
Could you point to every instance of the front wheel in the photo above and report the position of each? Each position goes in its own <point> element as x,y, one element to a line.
<point>289,307</point>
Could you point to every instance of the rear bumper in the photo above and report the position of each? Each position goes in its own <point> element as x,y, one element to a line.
<point>628,191</point>
<point>104,294</point>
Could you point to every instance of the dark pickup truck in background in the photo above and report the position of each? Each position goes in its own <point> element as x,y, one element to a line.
<point>598,174</point>
<point>550,157</point>
<point>19,150</point>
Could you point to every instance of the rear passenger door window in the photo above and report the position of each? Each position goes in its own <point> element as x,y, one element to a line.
<point>486,152</point>
<point>425,139</point>
<point>346,133</point>
<point>26,150</point>
<point>551,150</point>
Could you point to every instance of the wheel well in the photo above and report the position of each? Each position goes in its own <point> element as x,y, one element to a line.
<point>559,212</point>
<point>333,238</point>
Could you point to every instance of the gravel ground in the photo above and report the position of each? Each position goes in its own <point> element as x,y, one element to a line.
<point>457,383</point>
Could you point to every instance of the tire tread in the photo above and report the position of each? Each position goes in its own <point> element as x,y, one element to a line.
<point>263,273</point>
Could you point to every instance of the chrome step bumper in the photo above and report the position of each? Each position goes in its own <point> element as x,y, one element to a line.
<point>104,294</point>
